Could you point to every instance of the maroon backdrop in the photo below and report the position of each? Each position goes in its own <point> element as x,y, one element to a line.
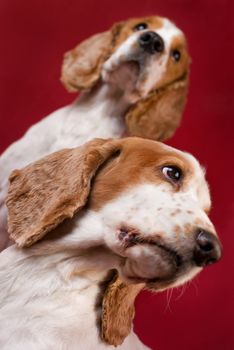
<point>35,34</point>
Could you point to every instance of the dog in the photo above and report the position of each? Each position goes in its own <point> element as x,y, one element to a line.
<point>133,80</point>
<point>93,226</point>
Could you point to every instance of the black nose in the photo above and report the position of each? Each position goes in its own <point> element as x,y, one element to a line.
<point>151,42</point>
<point>208,248</point>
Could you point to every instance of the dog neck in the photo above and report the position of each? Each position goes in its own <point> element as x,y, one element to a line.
<point>104,105</point>
<point>116,99</point>
<point>64,281</point>
<point>68,274</point>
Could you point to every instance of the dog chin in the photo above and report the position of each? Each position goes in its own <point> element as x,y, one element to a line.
<point>174,281</point>
<point>128,76</point>
<point>158,273</point>
<point>125,74</point>
<point>163,279</point>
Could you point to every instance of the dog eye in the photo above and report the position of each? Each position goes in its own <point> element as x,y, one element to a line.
<point>172,173</point>
<point>140,26</point>
<point>176,55</point>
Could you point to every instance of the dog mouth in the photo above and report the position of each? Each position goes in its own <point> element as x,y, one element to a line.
<point>130,237</point>
<point>160,265</point>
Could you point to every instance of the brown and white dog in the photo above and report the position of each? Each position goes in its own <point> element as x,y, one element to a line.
<point>131,205</point>
<point>133,80</point>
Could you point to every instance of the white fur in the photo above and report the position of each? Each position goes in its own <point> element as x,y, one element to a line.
<point>42,307</point>
<point>48,291</point>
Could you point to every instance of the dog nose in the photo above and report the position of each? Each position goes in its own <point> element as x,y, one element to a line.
<point>208,248</point>
<point>151,42</point>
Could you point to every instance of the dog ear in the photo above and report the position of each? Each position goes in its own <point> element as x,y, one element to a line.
<point>158,115</point>
<point>118,310</point>
<point>81,67</point>
<point>46,192</point>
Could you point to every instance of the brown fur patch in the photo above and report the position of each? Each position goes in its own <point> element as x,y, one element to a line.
<point>82,65</point>
<point>127,27</point>
<point>118,310</point>
<point>190,212</point>
<point>45,193</point>
<point>188,228</point>
<point>177,229</point>
<point>176,71</point>
<point>158,115</point>
<point>139,161</point>
<point>175,212</point>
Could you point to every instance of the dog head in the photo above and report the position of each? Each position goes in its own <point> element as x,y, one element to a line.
<point>147,58</point>
<point>150,201</point>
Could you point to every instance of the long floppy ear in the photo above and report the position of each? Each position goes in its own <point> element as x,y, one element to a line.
<point>52,189</point>
<point>118,310</point>
<point>81,67</point>
<point>158,116</point>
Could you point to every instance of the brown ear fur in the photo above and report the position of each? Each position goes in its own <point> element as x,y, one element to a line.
<point>81,67</point>
<point>52,189</point>
<point>158,116</point>
<point>118,310</point>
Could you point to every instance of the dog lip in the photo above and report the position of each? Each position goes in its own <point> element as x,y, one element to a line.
<point>128,236</point>
<point>136,279</point>
<point>132,236</point>
<point>173,253</point>
<point>147,281</point>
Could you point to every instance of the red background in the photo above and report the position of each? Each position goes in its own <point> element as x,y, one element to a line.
<point>35,34</point>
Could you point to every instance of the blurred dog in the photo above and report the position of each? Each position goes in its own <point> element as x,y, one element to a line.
<point>133,80</point>
<point>133,205</point>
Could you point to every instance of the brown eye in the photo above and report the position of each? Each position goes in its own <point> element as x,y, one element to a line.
<point>176,55</point>
<point>140,26</point>
<point>172,173</point>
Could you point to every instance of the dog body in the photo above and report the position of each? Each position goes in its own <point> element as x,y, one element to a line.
<point>133,80</point>
<point>136,206</point>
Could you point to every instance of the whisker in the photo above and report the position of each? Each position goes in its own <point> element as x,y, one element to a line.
<point>183,289</point>
<point>169,297</point>
<point>193,283</point>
